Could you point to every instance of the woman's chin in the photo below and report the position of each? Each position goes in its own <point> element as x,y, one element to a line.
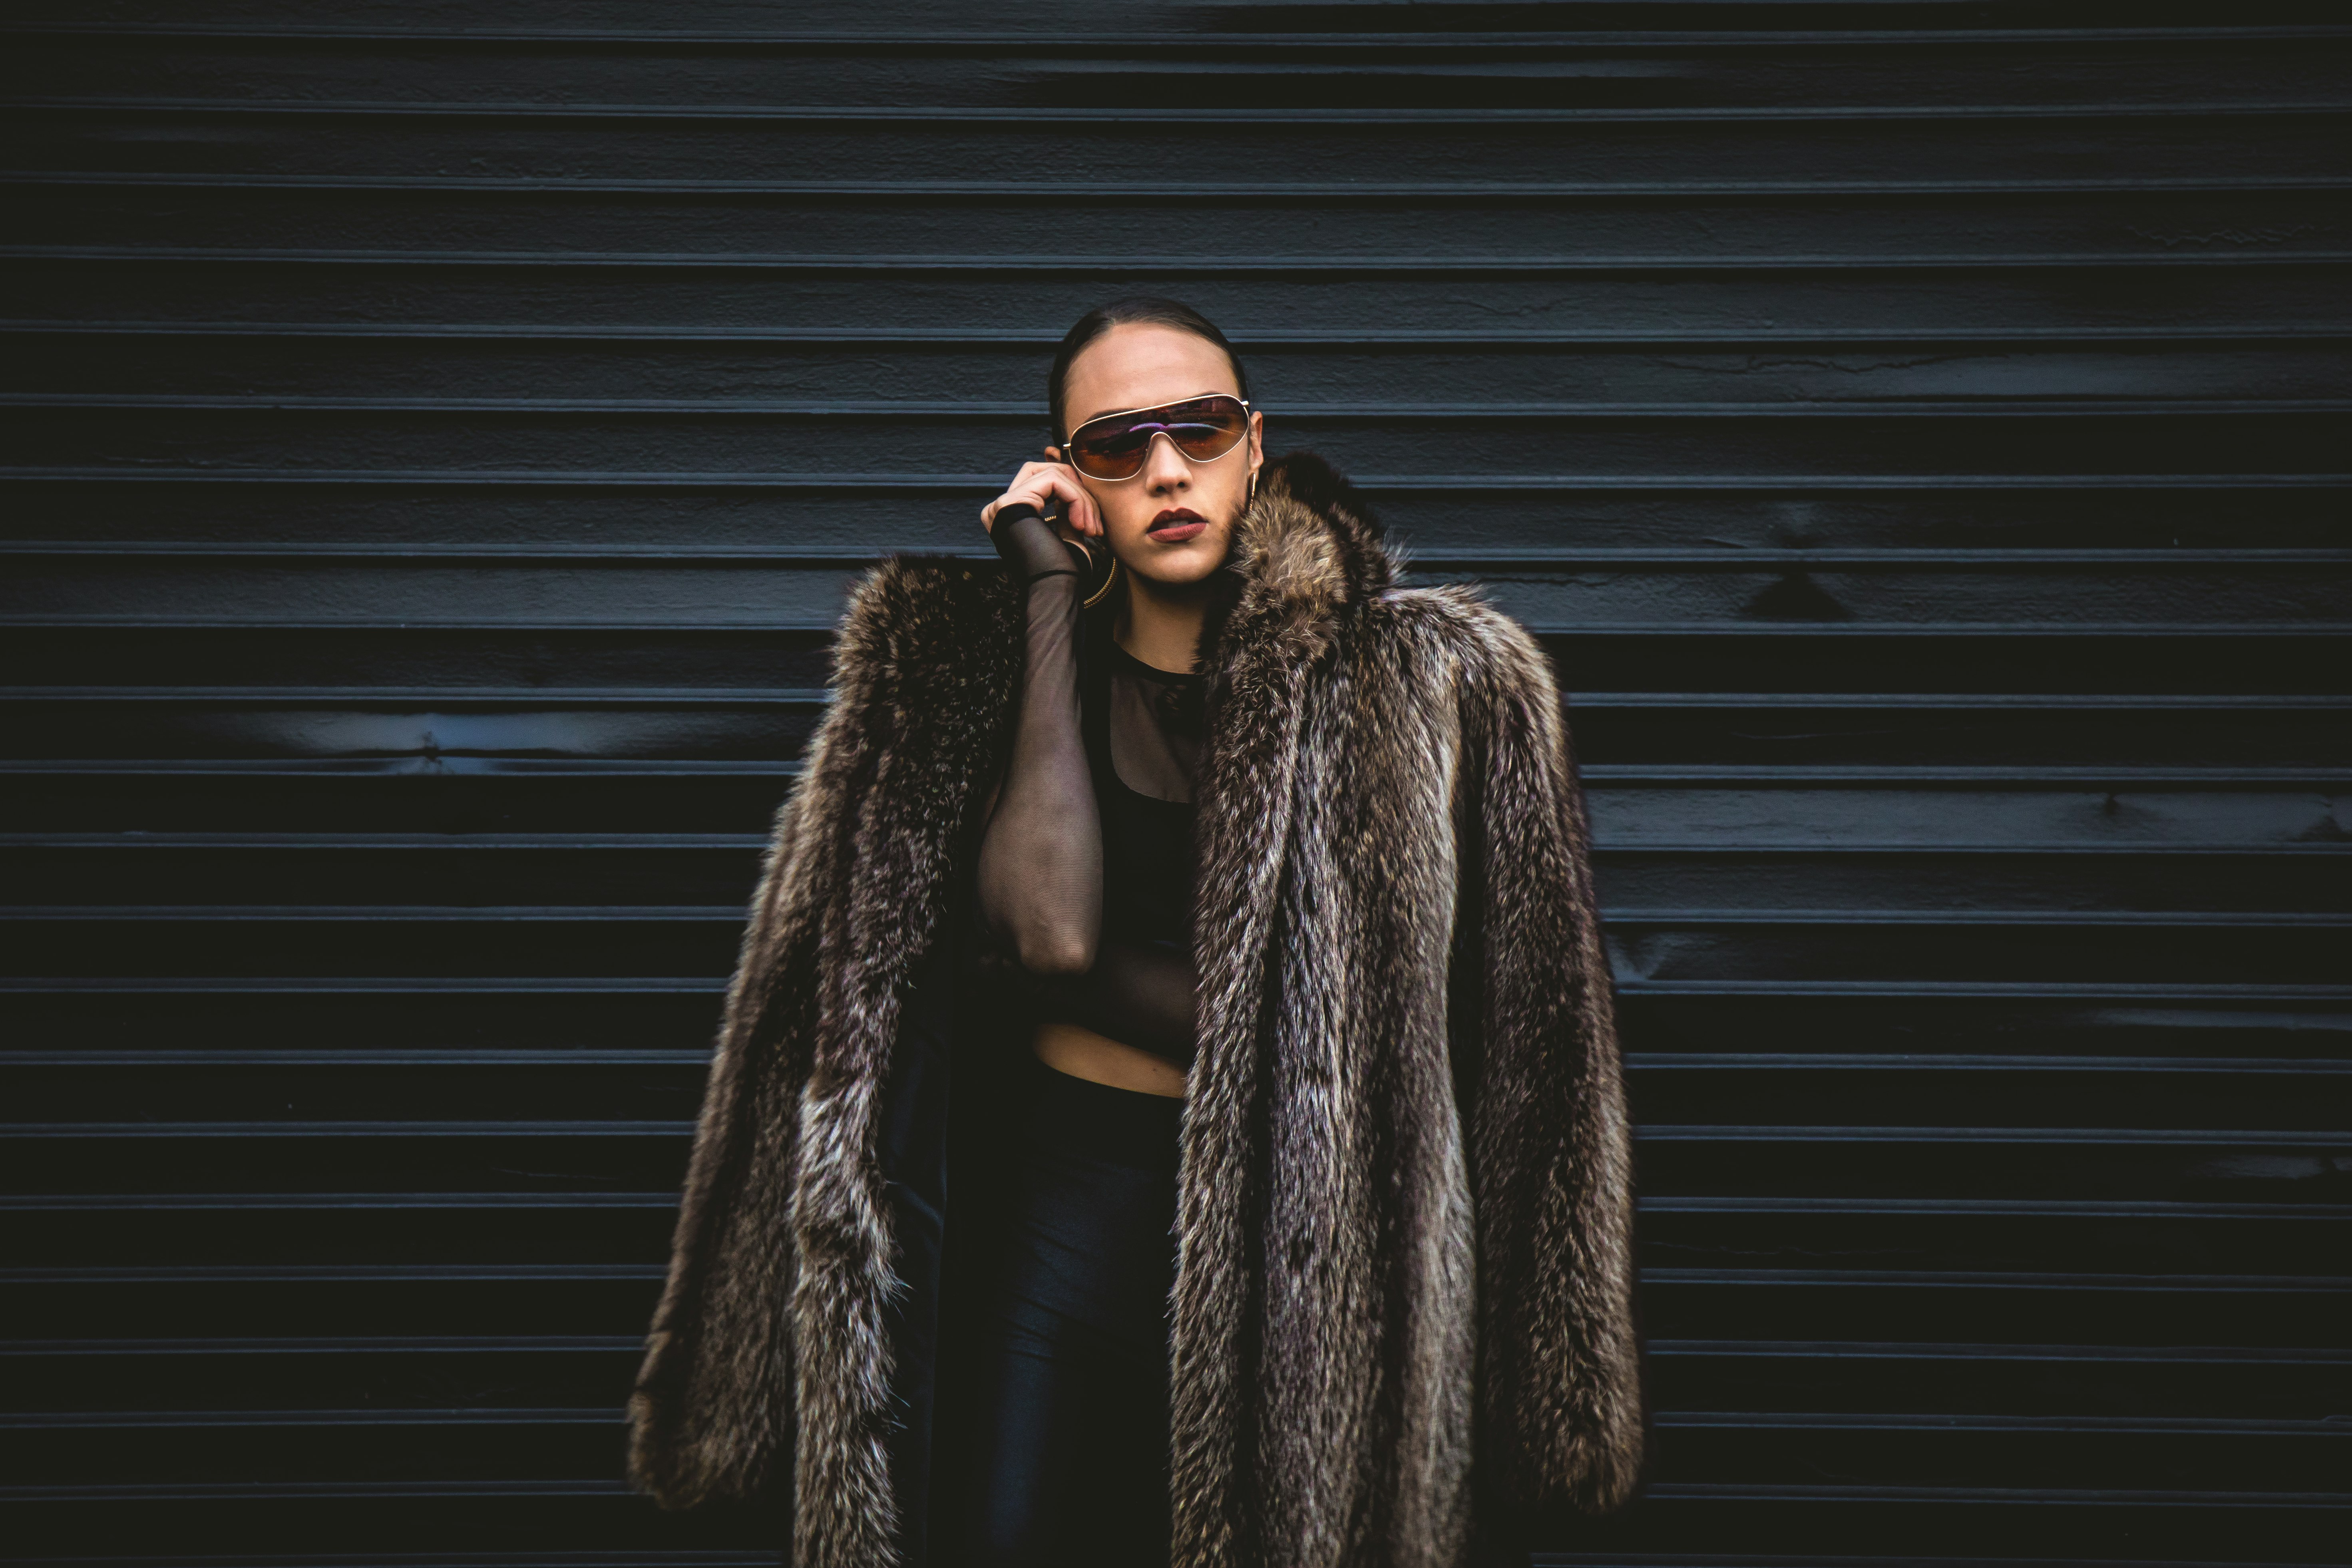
<point>1179,565</point>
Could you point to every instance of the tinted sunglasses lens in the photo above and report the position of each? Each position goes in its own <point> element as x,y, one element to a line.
<point>1202,427</point>
<point>1207,427</point>
<point>1112,450</point>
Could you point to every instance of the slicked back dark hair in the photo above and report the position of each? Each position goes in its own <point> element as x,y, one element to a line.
<point>1149,309</point>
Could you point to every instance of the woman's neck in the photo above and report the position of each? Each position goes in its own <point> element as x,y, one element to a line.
<point>1161,622</point>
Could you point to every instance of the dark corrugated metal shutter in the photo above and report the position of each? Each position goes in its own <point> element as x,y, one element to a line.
<point>438,440</point>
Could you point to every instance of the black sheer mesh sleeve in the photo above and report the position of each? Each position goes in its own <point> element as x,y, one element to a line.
<point>1040,882</point>
<point>1084,874</point>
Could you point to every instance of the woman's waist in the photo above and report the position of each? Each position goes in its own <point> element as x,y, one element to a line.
<point>1075,1049</point>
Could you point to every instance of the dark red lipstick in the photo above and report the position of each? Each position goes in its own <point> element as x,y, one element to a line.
<point>1176,525</point>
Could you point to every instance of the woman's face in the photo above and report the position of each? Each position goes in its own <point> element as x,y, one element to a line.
<point>1137,366</point>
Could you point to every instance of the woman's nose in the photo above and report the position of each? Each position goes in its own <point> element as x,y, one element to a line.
<point>1164,465</point>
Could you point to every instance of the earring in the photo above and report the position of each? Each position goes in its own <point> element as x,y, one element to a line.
<point>1253,493</point>
<point>1109,577</point>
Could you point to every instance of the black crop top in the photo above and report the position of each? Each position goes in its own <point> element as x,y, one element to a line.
<point>1141,988</point>
<point>1118,761</point>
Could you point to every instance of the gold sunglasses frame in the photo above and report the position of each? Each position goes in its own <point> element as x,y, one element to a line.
<point>1070,456</point>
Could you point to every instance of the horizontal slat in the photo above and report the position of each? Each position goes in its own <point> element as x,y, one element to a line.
<point>519,1138</point>
<point>613,1127</point>
<point>396,841</point>
<point>2121,1137</point>
<point>1918,991</point>
<point>1435,564</point>
<point>93,1376</point>
<point>325,1419</point>
<point>453,773</point>
<point>1258,148</point>
<point>1634,920</point>
<point>812,697</point>
<point>2288,152</point>
<point>619,1127</point>
<point>1914,991</point>
<point>200,1057</point>
<point>2221,1242</point>
<point>392,1344</point>
<point>295,1446</point>
<point>1992,406</point>
<point>677,595</point>
<point>1987,406</point>
<point>1455,381</point>
<point>1790,1163</point>
<point>376,985</point>
<point>692,262</point>
<point>1858,947</point>
<point>420,338</point>
<point>1630,918</point>
<point>2058,1380</point>
<point>936,28</point>
<point>1267,77</point>
<point>1917,743</point>
<point>346,264</point>
<point>2005,441</point>
<point>1794,656</point>
<point>1535,484</point>
<point>2217,1240</point>
<point>125,1204</point>
<point>612,1530</point>
<point>2234,170</point>
<point>1770,488</point>
<point>1802,833</point>
<point>683,1015</point>
<point>575,1299</point>
<point>2323,97</point>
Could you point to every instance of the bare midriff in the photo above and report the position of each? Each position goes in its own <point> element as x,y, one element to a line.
<point>1082,1053</point>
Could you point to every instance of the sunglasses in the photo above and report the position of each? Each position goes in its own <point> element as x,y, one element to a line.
<point>1114,446</point>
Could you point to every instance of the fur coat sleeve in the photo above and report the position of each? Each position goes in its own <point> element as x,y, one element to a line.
<point>1561,1419</point>
<point>712,1415</point>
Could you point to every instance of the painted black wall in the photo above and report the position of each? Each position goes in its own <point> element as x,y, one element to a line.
<point>437,441</point>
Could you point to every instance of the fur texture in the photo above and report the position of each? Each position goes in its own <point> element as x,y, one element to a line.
<point>1404,1282</point>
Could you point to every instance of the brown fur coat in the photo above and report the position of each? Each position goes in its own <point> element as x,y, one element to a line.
<point>1404,1287</point>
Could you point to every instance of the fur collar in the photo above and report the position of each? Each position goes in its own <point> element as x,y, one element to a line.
<point>1305,551</point>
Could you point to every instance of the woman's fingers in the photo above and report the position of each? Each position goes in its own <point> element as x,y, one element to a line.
<point>1081,510</point>
<point>1023,489</point>
<point>1038,483</point>
<point>1076,504</point>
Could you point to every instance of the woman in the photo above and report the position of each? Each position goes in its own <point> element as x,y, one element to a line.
<point>1084,883</point>
<point>1242,897</point>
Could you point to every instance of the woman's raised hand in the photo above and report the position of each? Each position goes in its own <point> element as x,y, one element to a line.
<point>1036,483</point>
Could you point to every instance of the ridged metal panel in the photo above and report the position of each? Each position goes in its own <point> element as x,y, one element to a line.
<point>437,441</point>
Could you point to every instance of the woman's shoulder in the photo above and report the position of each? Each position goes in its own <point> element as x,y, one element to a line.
<point>918,613</point>
<point>918,593</point>
<point>904,585</point>
<point>1456,625</point>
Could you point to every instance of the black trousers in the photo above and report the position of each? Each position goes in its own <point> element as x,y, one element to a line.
<point>1070,1460</point>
